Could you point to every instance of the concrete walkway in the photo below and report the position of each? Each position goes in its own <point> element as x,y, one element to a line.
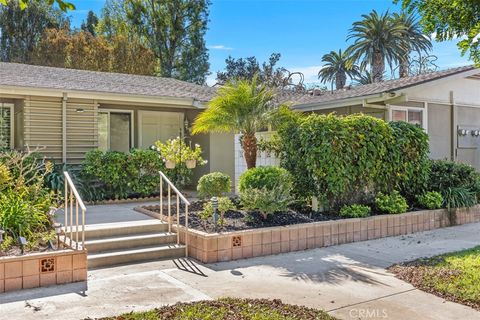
<point>349,281</point>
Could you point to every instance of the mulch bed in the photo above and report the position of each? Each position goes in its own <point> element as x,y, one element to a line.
<point>17,251</point>
<point>241,220</point>
<point>417,272</point>
<point>230,309</point>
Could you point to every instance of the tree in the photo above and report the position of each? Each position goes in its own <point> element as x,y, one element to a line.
<point>91,23</point>
<point>338,65</point>
<point>63,5</point>
<point>449,20</point>
<point>174,30</point>
<point>247,68</point>
<point>239,106</point>
<point>415,41</point>
<point>81,50</point>
<point>21,29</point>
<point>378,39</point>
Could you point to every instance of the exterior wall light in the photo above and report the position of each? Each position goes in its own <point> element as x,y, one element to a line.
<point>80,110</point>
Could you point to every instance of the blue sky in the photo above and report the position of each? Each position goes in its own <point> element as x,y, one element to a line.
<point>301,30</point>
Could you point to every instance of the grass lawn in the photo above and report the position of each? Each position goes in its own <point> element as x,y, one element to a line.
<point>453,276</point>
<point>229,309</point>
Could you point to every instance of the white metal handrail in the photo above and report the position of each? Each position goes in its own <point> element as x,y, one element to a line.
<point>72,196</point>
<point>179,196</point>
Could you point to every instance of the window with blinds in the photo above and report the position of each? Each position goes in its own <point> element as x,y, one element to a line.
<point>6,126</point>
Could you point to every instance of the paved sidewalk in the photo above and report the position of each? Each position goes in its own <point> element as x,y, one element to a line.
<point>349,281</point>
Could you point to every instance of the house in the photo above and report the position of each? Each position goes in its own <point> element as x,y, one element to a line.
<point>68,112</point>
<point>445,103</point>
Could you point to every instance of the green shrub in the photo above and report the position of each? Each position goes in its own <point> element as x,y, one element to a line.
<point>344,159</point>
<point>25,201</point>
<point>431,200</point>
<point>448,174</point>
<point>355,211</point>
<point>224,205</point>
<point>458,197</point>
<point>391,203</point>
<point>264,177</point>
<point>267,201</point>
<point>118,175</point>
<point>214,184</point>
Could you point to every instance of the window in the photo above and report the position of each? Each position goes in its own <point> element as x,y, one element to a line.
<point>115,130</point>
<point>411,115</point>
<point>6,126</point>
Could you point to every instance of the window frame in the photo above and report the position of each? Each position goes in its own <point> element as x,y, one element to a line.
<point>423,110</point>
<point>132,120</point>
<point>10,106</point>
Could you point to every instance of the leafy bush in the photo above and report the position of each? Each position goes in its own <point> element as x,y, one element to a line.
<point>25,202</point>
<point>391,203</point>
<point>267,201</point>
<point>214,184</point>
<point>431,200</point>
<point>264,177</point>
<point>345,159</point>
<point>355,211</point>
<point>120,175</point>
<point>224,205</point>
<point>458,197</point>
<point>448,174</point>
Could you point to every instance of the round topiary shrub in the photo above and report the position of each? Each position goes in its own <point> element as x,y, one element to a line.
<point>431,200</point>
<point>391,203</point>
<point>355,211</point>
<point>214,184</point>
<point>267,177</point>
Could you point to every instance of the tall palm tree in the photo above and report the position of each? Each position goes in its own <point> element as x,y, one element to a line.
<point>378,39</point>
<point>415,40</point>
<point>240,106</point>
<point>338,65</point>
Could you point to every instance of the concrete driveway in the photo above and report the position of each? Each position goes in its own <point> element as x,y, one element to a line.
<point>349,281</point>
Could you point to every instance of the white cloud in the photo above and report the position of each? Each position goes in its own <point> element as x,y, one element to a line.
<point>220,47</point>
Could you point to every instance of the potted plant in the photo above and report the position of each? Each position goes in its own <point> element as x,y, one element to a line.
<point>191,156</point>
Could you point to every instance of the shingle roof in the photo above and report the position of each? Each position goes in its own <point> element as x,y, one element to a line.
<point>380,87</point>
<point>14,74</point>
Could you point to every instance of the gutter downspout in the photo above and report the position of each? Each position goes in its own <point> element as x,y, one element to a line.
<point>64,128</point>
<point>453,143</point>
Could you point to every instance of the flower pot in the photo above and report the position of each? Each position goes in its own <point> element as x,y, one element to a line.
<point>191,164</point>
<point>169,164</point>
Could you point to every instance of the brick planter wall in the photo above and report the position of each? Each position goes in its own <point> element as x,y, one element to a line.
<point>42,269</point>
<point>209,248</point>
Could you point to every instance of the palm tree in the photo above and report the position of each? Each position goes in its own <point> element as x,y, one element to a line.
<point>338,65</point>
<point>378,39</point>
<point>414,40</point>
<point>239,106</point>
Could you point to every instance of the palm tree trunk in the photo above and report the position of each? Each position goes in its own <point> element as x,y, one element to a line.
<point>340,80</point>
<point>378,66</point>
<point>403,68</point>
<point>249,145</point>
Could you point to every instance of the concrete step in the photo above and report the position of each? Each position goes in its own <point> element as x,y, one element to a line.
<point>130,241</point>
<point>97,231</point>
<point>110,258</point>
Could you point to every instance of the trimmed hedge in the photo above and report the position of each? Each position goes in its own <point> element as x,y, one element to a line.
<point>120,174</point>
<point>344,160</point>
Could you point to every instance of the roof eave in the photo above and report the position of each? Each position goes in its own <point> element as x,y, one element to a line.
<point>105,97</point>
<point>335,103</point>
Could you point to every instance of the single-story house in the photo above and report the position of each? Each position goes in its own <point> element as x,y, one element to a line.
<point>445,103</point>
<point>68,112</point>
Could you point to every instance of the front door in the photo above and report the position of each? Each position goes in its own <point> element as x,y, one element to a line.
<point>161,126</point>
